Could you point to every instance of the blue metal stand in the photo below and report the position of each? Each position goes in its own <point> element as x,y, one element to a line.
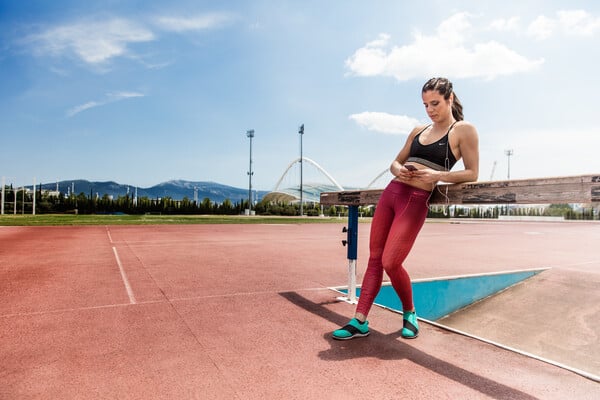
<point>352,243</point>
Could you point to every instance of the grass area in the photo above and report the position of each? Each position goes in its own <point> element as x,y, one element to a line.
<point>69,219</point>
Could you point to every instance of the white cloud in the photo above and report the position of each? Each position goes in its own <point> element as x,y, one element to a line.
<point>96,42</point>
<point>541,27</point>
<point>384,122</point>
<point>92,42</point>
<point>505,24</point>
<point>371,59</point>
<point>455,28</point>
<point>382,41</point>
<point>195,23</point>
<point>568,22</point>
<point>110,98</point>
<point>447,53</point>
<point>578,22</point>
<point>83,107</point>
<point>124,95</point>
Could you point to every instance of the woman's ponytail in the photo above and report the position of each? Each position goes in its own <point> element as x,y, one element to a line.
<point>457,111</point>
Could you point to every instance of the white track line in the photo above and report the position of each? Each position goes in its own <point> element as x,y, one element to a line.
<point>578,371</point>
<point>182,299</point>
<point>67,310</point>
<point>124,276</point>
<point>109,236</point>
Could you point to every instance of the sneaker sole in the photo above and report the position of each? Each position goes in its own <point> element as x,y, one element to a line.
<point>356,335</point>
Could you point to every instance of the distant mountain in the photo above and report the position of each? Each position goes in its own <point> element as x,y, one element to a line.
<point>175,189</point>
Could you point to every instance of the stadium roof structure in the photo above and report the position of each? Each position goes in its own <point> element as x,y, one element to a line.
<point>311,192</point>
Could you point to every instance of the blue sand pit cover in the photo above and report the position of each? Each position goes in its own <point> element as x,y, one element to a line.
<point>435,299</point>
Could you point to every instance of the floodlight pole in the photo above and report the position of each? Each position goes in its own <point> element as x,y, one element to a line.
<point>2,196</point>
<point>508,153</point>
<point>301,132</point>
<point>250,134</point>
<point>33,209</point>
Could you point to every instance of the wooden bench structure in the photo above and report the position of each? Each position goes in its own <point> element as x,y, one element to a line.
<point>570,189</point>
<point>559,190</point>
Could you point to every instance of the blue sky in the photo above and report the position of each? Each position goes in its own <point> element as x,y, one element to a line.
<point>141,92</point>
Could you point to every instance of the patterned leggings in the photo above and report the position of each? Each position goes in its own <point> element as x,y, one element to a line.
<point>399,216</point>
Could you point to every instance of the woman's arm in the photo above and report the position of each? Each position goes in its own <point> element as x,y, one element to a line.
<point>468,144</point>
<point>397,168</point>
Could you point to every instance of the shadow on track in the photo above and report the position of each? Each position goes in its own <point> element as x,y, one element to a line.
<point>385,347</point>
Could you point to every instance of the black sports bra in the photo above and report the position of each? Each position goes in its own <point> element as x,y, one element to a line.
<point>436,155</point>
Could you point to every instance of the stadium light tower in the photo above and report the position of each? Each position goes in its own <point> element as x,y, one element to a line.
<point>250,134</point>
<point>2,197</point>
<point>301,132</point>
<point>508,152</point>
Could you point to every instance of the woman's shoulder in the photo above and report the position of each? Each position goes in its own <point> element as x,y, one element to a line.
<point>418,129</point>
<point>463,124</point>
<point>465,128</point>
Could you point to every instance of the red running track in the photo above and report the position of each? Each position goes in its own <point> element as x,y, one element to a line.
<point>244,312</point>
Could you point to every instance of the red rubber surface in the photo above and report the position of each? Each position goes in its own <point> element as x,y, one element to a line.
<point>244,312</point>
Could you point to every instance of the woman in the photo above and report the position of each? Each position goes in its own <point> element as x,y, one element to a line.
<point>427,157</point>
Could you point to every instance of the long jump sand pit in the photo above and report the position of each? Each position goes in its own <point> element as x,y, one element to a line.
<point>245,312</point>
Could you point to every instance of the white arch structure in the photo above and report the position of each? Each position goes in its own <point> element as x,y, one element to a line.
<point>377,177</point>
<point>337,185</point>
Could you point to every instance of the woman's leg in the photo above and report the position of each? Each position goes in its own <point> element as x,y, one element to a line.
<point>380,226</point>
<point>382,220</point>
<point>411,212</point>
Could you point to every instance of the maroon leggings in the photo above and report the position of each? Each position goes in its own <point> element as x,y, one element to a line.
<point>399,216</point>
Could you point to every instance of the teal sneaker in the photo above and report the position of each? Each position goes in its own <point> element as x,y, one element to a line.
<point>353,329</point>
<point>410,329</point>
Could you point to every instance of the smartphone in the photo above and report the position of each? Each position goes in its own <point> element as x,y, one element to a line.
<point>410,167</point>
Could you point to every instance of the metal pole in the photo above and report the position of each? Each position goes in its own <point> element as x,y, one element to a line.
<point>250,178</point>
<point>250,134</point>
<point>352,251</point>
<point>3,193</point>
<point>301,132</point>
<point>33,212</point>
<point>508,153</point>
